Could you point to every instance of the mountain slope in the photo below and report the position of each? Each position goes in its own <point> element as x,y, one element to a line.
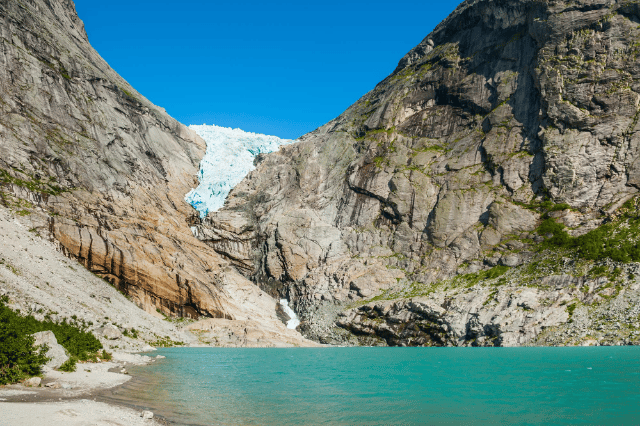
<point>102,171</point>
<point>508,113</point>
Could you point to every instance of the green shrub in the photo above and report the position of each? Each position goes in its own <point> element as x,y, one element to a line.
<point>599,271</point>
<point>69,365</point>
<point>106,355</point>
<point>560,236</point>
<point>495,272</point>
<point>546,205</point>
<point>18,360</point>
<point>133,333</point>
<point>73,337</point>
<point>490,274</point>
<point>17,357</point>
<point>570,310</point>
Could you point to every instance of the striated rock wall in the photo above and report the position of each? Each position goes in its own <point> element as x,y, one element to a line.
<point>108,167</point>
<point>443,167</point>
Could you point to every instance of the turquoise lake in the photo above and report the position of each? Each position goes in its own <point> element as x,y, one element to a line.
<point>390,386</point>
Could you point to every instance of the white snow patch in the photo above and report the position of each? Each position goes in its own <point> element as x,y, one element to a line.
<point>229,158</point>
<point>294,321</point>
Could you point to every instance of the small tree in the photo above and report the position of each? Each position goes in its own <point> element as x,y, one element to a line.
<point>18,359</point>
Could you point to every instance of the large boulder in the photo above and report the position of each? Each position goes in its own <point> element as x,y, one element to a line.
<point>56,353</point>
<point>110,332</point>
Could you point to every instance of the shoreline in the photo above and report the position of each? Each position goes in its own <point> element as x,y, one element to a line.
<point>78,398</point>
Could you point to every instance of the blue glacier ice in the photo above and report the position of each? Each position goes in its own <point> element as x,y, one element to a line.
<point>229,158</point>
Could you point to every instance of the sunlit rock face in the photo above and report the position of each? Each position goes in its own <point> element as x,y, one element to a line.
<point>443,170</point>
<point>229,158</point>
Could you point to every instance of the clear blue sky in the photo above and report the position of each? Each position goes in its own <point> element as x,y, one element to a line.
<point>277,67</point>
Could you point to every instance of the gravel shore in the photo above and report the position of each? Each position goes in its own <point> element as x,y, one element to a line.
<point>70,398</point>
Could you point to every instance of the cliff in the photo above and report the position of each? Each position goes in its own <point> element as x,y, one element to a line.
<point>414,218</point>
<point>99,169</point>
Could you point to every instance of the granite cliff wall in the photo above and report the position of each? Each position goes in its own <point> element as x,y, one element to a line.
<point>508,113</point>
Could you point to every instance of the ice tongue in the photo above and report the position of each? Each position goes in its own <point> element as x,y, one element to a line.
<point>229,158</point>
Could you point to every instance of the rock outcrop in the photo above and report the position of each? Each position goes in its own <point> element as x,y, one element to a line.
<point>444,168</point>
<point>55,352</point>
<point>101,170</point>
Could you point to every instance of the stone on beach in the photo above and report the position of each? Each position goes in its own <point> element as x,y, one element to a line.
<point>147,415</point>
<point>33,382</point>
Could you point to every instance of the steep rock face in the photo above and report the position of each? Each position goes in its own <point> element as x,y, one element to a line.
<point>505,104</point>
<point>104,172</point>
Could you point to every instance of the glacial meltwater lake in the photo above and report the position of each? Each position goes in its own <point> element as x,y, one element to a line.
<point>390,386</point>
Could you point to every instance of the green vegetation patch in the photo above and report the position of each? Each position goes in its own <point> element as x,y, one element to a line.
<point>69,365</point>
<point>129,95</point>
<point>544,207</point>
<point>31,183</point>
<point>616,240</point>
<point>17,357</point>
<point>133,333</point>
<point>18,360</point>
<point>487,275</point>
<point>165,342</point>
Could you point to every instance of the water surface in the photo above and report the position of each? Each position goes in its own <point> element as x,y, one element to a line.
<point>391,386</point>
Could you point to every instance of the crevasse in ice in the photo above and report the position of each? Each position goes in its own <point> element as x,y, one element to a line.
<point>229,158</point>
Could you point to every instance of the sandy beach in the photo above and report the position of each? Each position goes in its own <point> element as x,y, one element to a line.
<point>69,399</point>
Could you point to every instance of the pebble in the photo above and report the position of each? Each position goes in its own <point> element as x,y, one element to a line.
<point>147,415</point>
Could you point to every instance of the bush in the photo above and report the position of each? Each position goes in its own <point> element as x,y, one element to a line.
<point>133,333</point>
<point>72,336</point>
<point>17,357</point>
<point>490,274</point>
<point>106,355</point>
<point>69,365</point>
<point>495,272</point>
<point>599,271</point>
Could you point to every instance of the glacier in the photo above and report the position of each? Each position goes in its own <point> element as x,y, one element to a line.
<point>228,159</point>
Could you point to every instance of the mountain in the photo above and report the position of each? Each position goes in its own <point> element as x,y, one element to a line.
<point>100,170</point>
<point>485,193</point>
<point>229,158</point>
